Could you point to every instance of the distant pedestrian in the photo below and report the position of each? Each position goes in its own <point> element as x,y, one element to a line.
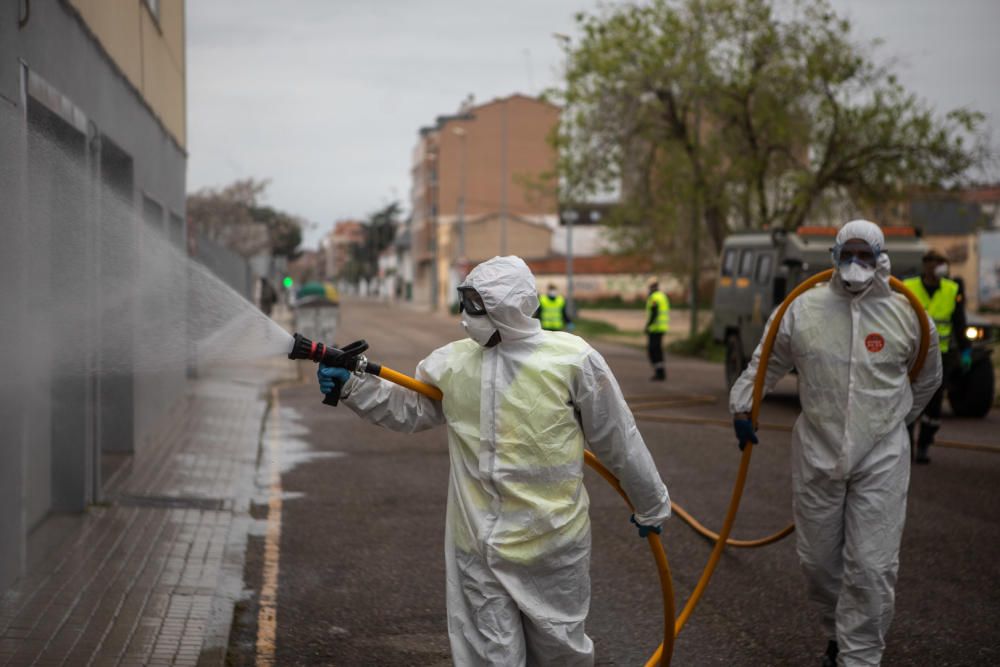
<point>268,296</point>
<point>657,324</point>
<point>552,311</point>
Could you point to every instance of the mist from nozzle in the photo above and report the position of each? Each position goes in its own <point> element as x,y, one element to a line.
<point>106,286</point>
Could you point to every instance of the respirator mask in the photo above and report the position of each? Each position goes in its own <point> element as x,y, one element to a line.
<point>855,261</point>
<point>941,270</point>
<point>477,324</point>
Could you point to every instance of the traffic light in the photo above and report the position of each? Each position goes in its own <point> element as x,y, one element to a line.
<point>288,282</point>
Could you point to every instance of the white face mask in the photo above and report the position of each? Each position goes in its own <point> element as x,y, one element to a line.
<point>479,329</point>
<point>856,278</point>
<point>941,270</point>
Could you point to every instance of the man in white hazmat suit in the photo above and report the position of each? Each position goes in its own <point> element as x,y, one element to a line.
<point>852,342</point>
<point>520,404</point>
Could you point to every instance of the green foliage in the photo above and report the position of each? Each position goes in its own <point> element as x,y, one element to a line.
<point>284,230</point>
<point>712,115</point>
<point>590,328</point>
<point>233,216</point>
<point>380,231</point>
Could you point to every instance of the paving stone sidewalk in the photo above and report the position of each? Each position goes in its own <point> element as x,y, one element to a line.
<point>151,577</point>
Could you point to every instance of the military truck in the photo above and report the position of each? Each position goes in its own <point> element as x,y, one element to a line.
<point>758,269</point>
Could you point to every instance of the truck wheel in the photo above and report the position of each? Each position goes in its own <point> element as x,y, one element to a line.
<point>735,361</point>
<point>971,394</point>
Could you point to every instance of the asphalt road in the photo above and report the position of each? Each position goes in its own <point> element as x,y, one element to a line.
<point>361,563</point>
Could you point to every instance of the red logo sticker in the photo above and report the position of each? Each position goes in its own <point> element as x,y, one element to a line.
<point>874,342</point>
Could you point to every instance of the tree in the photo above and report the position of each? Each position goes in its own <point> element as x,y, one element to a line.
<point>380,231</point>
<point>234,217</point>
<point>711,115</point>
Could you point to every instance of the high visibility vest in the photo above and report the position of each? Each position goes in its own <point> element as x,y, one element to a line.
<point>939,308</point>
<point>662,321</point>
<point>552,312</point>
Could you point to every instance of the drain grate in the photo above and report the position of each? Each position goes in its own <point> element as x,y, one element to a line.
<point>173,502</point>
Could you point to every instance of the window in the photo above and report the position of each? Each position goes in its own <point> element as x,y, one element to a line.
<point>763,272</point>
<point>176,229</point>
<point>729,263</point>
<point>152,213</point>
<point>746,263</point>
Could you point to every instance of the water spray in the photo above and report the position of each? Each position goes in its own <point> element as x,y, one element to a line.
<point>352,358</point>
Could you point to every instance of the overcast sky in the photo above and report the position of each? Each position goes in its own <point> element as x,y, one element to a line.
<point>325,97</point>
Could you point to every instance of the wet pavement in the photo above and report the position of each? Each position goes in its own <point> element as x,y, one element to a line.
<point>151,576</point>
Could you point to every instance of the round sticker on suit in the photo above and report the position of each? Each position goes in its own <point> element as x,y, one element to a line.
<point>874,342</point>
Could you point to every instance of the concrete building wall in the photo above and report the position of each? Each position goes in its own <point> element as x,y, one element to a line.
<point>91,174</point>
<point>148,48</point>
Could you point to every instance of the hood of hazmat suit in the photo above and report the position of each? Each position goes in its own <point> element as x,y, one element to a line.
<point>519,415</point>
<point>850,447</point>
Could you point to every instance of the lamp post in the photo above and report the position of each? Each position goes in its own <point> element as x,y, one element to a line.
<point>570,217</point>
<point>503,178</point>
<point>460,133</point>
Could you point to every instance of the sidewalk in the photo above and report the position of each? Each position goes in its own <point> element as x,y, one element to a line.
<point>151,577</point>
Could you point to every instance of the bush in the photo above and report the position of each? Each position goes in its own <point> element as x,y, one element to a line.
<point>585,327</point>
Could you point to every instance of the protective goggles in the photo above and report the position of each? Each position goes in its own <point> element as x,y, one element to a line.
<point>470,302</point>
<point>856,252</point>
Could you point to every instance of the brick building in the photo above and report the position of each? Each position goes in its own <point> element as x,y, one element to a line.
<point>477,191</point>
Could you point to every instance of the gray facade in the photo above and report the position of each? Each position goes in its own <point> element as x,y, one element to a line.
<point>91,184</point>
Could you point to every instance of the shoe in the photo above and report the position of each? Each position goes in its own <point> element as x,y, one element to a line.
<point>659,375</point>
<point>830,657</point>
<point>922,457</point>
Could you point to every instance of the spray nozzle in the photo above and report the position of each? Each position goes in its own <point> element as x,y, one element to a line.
<point>348,357</point>
<point>351,358</point>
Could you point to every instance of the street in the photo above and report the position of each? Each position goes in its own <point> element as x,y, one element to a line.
<point>355,518</point>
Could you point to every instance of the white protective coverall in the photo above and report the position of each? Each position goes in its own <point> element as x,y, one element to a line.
<point>519,415</point>
<point>850,449</point>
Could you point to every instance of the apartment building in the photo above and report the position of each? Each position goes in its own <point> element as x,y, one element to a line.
<point>478,191</point>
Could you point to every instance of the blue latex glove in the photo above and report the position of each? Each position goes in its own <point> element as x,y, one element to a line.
<point>332,378</point>
<point>645,530</point>
<point>966,360</point>
<point>744,432</point>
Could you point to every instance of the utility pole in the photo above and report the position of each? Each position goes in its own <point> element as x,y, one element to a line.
<point>570,218</point>
<point>503,178</point>
<point>460,133</point>
<point>696,199</point>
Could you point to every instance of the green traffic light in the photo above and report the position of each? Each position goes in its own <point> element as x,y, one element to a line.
<point>288,282</point>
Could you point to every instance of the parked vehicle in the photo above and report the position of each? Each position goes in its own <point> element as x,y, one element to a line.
<point>758,269</point>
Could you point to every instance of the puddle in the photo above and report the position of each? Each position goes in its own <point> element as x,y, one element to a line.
<point>286,428</point>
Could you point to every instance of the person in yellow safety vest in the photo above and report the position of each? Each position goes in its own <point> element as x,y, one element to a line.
<point>657,324</point>
<point>942,298</point>
<point>552,311</point>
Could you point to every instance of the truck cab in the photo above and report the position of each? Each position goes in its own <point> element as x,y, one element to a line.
<point>759,269</point>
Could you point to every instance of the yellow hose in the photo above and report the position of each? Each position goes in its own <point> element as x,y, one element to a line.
<point>664,651</point>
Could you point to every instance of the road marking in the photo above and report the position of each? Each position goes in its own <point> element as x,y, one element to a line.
<point>267,616</point>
